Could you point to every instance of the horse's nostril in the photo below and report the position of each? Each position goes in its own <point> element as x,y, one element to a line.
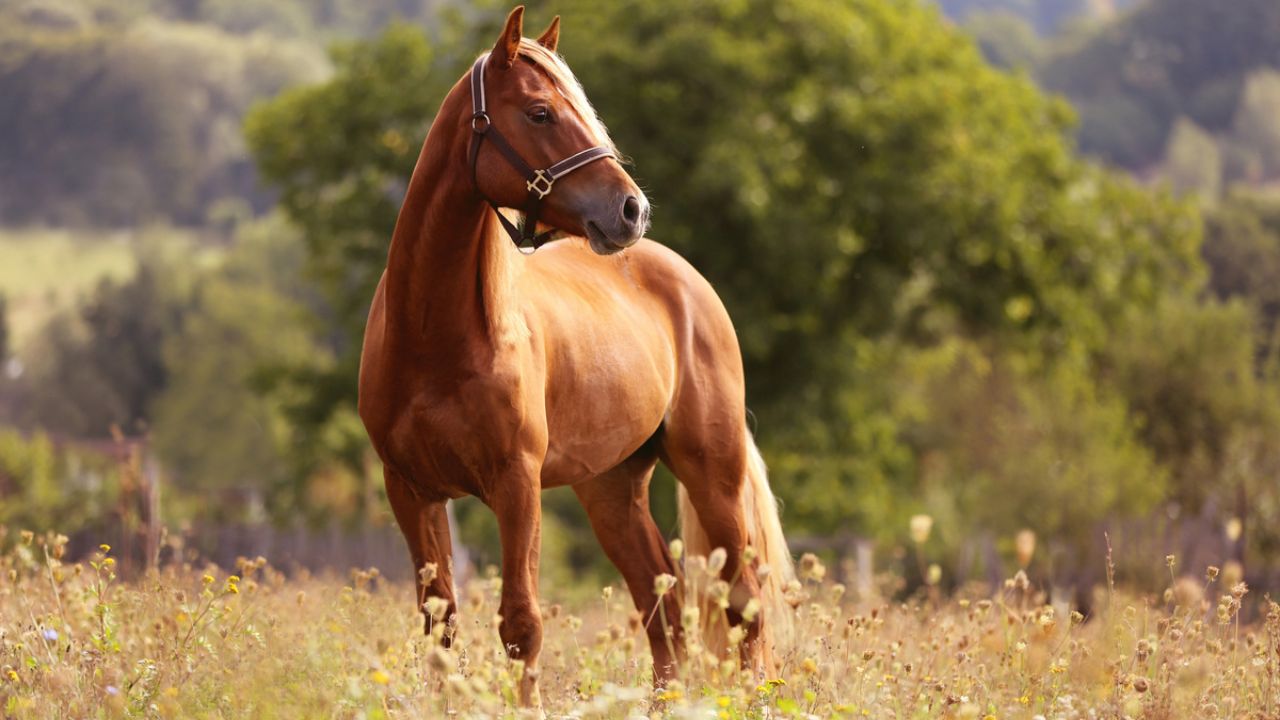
<point>631,210</point>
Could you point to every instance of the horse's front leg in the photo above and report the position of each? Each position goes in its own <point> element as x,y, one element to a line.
<point>425,525</point>
<point>517,503</point>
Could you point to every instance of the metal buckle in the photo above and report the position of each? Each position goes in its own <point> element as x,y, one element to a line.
<point>540,184</point>
<point>477,119</point>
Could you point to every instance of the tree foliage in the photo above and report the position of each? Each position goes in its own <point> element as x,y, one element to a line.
<point>878,207</point>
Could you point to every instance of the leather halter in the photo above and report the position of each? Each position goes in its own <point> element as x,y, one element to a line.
<point>538,182</point>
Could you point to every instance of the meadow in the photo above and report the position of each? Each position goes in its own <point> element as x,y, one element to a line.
<point>201,642</point>
<point>48,271</point>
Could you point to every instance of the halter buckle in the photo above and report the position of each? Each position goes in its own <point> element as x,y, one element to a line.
<point>480,122</point>
<point>541,183</point>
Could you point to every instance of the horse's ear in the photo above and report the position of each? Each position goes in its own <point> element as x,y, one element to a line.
<point>550,37</point>
<point>509,41</point>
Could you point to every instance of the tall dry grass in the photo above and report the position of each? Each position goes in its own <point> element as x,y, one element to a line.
<point>192,642</point>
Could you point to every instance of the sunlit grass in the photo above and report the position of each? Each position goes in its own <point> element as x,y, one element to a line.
<point>202,642</point>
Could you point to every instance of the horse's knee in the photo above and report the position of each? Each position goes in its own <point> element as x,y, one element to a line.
<point>521,631</point>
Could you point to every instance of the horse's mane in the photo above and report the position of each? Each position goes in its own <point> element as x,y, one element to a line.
<point>556,68</point>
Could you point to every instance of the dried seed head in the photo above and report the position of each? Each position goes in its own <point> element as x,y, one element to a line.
<point>716,561</point>
<point>811,568</point>
<point>663,583</point>
<point>428,573</point>
<point>1233,529</point>
<point>677,549</point>
<point>921,526</point>
<point>1025,546</point>
<point>441,660</point>
<point>436,607</point>
<point>718,591</point>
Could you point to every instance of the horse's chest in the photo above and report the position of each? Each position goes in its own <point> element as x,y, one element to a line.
<point>455,440</point>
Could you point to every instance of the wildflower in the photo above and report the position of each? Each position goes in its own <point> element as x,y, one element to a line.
<point>50,634</point>
<point>736,635</point>
<point>607,592</point>
<point>27,537</point>
<point>718,591</point>
<point>811,568</point>
<point>1233,529</point>
<point>113,690</point>
<point>724,701</point>
<point>1211,573</point>
<point>105,548</point>
<point>663,584</point>
<point>1024,545</point>
<point>677,549</point>
<point>809,665</point>
<point>109,563</point>
<point>207,579</point>
<point>1170,560</point>
<point>1020,581</point>
<point>428,573</point>
<point>233,585</point>
<point>921,525</point>
<point>749,554</point>
<point>379,677</point>
<point>716,561</point>
<point>670,694</point>
<point>436,607</point>
<point>689,616</point>
<point>1239,590</point>
<point>441,660</point>
<point>934,575</point>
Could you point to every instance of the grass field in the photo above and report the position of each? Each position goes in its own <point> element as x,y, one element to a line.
<point>191,642</point>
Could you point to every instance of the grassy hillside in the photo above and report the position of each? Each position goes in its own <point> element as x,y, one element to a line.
<point>43,271</point>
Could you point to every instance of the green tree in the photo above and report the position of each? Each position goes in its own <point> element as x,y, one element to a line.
<point>1242,248</point>
<point>1193,163</point>
<point>246,313</point>
<point>4,328</point>
<point>845,173</point>
<point>1257,123</point>
<point>102,364</point>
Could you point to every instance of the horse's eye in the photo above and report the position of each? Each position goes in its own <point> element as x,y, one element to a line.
<point>540,115</point>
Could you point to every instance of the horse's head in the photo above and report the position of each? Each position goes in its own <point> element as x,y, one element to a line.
<point>549,152</point>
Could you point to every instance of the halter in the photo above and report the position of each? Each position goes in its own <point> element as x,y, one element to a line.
<point>538,182</point>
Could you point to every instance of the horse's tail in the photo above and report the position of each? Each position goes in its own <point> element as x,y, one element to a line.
<point>764,534</point>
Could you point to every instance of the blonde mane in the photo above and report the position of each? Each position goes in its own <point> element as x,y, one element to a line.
<point>567,83</point>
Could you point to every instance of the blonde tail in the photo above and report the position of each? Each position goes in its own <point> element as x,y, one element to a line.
<point>764,534</point>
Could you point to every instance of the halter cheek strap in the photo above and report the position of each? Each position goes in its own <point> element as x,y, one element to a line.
<point>538,182</point>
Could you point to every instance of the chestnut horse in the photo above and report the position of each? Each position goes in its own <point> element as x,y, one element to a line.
<point>495,374</point>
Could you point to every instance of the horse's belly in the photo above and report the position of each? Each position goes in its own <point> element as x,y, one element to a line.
<point>597,420</point>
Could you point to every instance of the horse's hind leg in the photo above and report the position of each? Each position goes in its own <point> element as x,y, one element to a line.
<point>705,445</point>
<point>425,525</point>
<point>617,503</point>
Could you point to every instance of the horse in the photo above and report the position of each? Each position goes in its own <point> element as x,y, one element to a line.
<point>493,373</point>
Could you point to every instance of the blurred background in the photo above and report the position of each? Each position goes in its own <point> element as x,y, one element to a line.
<point>1010,268</point>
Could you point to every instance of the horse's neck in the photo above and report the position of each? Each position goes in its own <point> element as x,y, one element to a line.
<point>449,270</point>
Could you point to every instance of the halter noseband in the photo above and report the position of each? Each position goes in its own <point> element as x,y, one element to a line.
<point>538,182</point>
